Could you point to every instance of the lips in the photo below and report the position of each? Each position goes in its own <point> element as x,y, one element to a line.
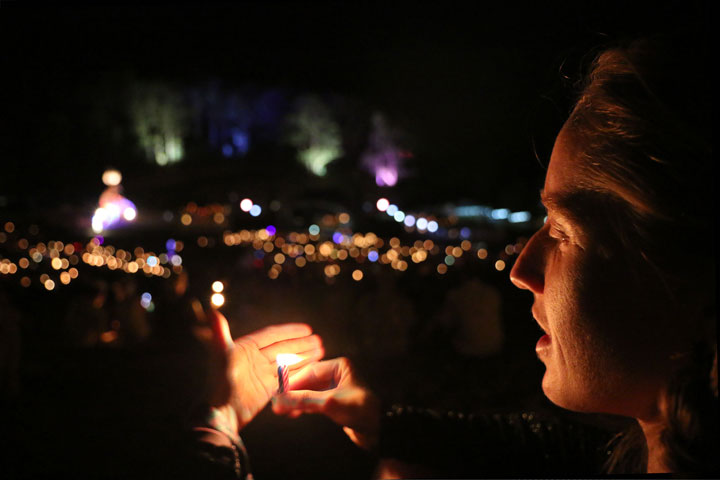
<point>545,342</point>
<point>543,345</point>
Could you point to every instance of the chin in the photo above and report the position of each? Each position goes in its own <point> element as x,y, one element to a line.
<point>561,394</point>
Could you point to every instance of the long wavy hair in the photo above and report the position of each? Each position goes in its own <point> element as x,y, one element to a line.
<point>643,126</point>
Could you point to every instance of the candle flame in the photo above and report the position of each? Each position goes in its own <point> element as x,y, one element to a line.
<point>286,359</point>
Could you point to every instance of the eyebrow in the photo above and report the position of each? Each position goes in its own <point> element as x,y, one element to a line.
<point>577,205</point>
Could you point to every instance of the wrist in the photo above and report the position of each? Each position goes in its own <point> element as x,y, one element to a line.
<point>224,419</point>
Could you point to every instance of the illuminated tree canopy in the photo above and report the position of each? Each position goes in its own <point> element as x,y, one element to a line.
<point>159,117</point>
<point>383,157</point>
<point>315,134</point>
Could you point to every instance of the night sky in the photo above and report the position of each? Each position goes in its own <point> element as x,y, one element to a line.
<point>478,90</point>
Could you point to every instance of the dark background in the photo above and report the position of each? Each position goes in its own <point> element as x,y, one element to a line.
<point>480,89</point>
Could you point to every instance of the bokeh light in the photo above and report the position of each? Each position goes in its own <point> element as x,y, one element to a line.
<point>217,299</point>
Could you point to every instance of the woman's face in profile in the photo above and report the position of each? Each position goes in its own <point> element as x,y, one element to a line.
<point>605,349</point>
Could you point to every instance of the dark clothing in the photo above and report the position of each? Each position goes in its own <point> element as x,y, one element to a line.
<point>453,444</point>
<point>449,445</point>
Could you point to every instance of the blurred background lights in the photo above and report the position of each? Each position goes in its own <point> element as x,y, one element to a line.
<point>409,220</point>
<point>519,217</point>
<point>255,210</point>
<point>217,299</point>
<point>386,176</point>
<point>129,214</point>
<point>432,226</point>
<point>271,230</point>
<point>111,177</point>
<point>392,209</point>
<point>421,223</point>
<point>246,204</point>
<point>145,300</point>
<point>399,216</point>
<point>217,286</point>
<point>500,213</point>
<point>373,256</point>
<point>357,275</point>
<point>382,204</point>
<point>314,229</point>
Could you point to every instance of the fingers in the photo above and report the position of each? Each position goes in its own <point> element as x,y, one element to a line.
<point>221,331</point>
<point>278,333</point>
<point>320,375</point>
<point>301,401</point>
<point>309,348</point>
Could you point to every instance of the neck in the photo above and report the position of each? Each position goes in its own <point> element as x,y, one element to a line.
<point>656,452</point>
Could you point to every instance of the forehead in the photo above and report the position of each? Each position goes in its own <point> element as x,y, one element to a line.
<point>568,187</point>
<point>564,173</point>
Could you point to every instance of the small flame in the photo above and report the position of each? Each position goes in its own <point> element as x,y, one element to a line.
<point>286,359</point>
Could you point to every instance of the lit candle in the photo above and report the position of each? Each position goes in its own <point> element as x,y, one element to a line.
<point>284,360</point>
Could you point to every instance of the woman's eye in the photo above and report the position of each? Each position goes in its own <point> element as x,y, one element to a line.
<point>558,234</point>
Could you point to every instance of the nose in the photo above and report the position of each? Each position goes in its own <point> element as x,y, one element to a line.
<point>528,272</point>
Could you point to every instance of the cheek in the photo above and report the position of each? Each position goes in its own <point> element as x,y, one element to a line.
<point>580,319</point>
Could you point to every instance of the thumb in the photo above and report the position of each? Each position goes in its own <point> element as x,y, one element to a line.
<point>222,338</point>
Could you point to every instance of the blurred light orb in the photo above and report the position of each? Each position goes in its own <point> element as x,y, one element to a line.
<point>217,286</point>
<point>357,275</point>
<point>255,210</point>
<point>382,204</point>
<point>373,256</point>
<point>519,217</point>
<point>145,300</point>
<point>246,204</point>
<point>421,223</point>
<point>409,220</point>
<point>129,214</point>
<point>338,237</point>
<point>392,209</point>
<point>500,213</point>
<point>432,226</point>
<point>271,230</point>
<point>465,232</point>
<point>152,260</point>
<point>170,245</point>
<point>399,216</point>
<point>314,229</point>
<point>217,299</point>
<point>386,176</point>
<point>98,220</point>
<point>111,177</point>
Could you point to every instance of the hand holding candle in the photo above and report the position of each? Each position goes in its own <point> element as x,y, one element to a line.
<point>330,388</point>
<point>249,363</point>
